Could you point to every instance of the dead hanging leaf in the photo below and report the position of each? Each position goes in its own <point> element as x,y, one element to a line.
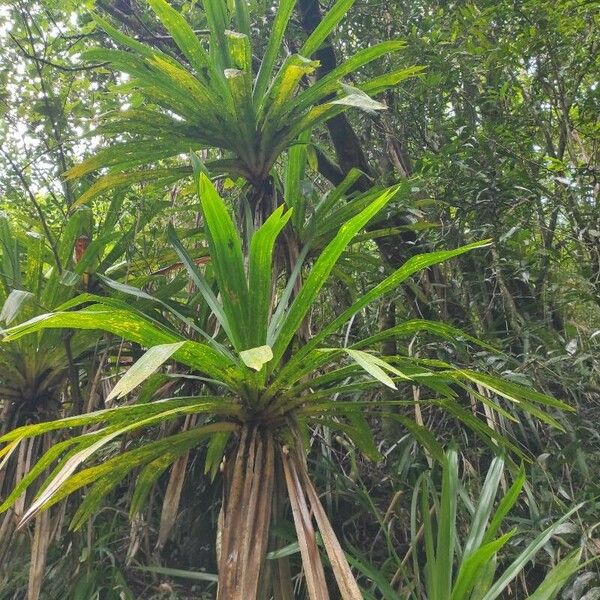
<point>41,537</point>
<point>341,569</point>
<point>39,552</point>
<point>283,588</point>
<point>311,560</point>
<point>231,519</point>
<point>170,506</point>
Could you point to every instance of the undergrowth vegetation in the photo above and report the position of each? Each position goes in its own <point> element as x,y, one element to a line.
<point>299,300</point>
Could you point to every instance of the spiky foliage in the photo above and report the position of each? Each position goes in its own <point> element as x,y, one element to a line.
<point>475,575</point>
<point>212,97</point>
<point>32,282</point>
<point>266,391</point>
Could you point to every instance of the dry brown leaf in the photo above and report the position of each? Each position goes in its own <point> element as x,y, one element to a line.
<point>311,560</point>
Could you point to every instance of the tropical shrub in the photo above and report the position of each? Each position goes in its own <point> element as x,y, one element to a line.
<point>264,389</point>
<point>214,100</point>
<point>467,569</point>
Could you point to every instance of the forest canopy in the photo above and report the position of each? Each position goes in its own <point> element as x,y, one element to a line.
<point>299,299</point>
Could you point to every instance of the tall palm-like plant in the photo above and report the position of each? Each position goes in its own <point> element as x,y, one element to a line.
<point>263,391</point>
<point>40,375</point>
<point>218,97</point>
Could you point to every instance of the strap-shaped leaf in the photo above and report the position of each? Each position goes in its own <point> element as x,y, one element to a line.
<point>410,267</point>
<point>327,24</point>
<point>321,270</point>
<point>282,17</point>
<point>508,500</point>
<point>131,154</point>
<point>375,367</point>
<point>199,280</point>
<point>121,414</point>
<point>113,181</point>
<point>383,82</point>
<point>446,529</point>
<point>183,35</point>
<point>485,505</point>
<point>474,564</point>
<point>558,576</point>
<point>491,437</point>
<point>10,274</point>
<point>358,431</point>
<point>293,193</point>
<point>207,104</point>
<point>143,485</point>
<point>136,329</point>
<point>260,273</point>
<point>55,481</point>
<point>228,262</point>
<point>242,16</point>
<point>216,17</point>
<point>137,293</point>
<point>517,565</point>
<point>152,360</point>
<point>240,89</point>
<point>119,466</point>
<point>330,82</point>
<point>283,88</point>
<point>129,42</point>
<point>215,452</point>
<point>333,197</point>
<point>409,328</point>
<point>315,116</point>
<point>513,391</point>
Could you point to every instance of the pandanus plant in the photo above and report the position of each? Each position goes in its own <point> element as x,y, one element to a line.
<point>39,375</point>
<point>219,96</point>
<point>263,391</point>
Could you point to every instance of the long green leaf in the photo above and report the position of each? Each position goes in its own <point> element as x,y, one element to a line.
<point>260,270</point>
<point>321,270</point>
<point>558,576</point>
<point>282,17</point>
<point>136,329</point>
<point>121,414</point>
<point>200,281</point>
<point>228,262</point>
<point>485,505</point>
<point>182,34</point>
<point>517,565</point>
<point>330,82</point>
<point>508,501</point>
<point>412,266</point>
<point>329,21</point>
<point>472,566</point>
<point>121,464</point>
<point>446,534</point>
